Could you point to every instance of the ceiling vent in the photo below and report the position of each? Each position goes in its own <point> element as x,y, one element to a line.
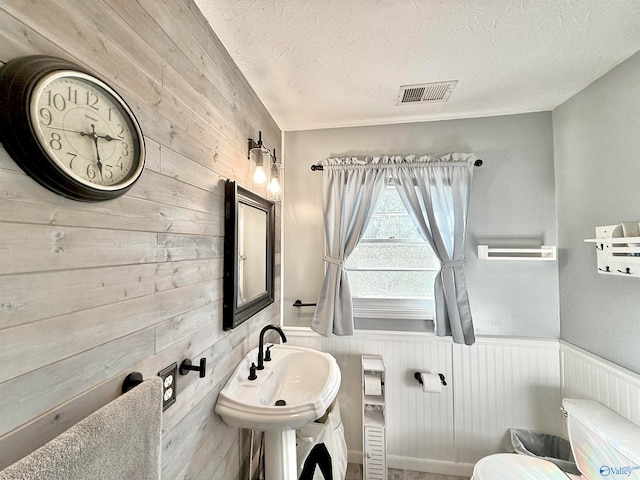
<point>425,92</point>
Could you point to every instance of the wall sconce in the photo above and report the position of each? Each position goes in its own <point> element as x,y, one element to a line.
<point>274,187</point>
<point>259,161</point>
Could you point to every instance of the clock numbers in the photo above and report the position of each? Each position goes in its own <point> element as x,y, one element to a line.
<point>92,100</point>
<point>91,171</point>
<point>72,95</point>
<point>73,157</point>
<point>55,141</point>
<point>56,100</point>
<point>45,115</point>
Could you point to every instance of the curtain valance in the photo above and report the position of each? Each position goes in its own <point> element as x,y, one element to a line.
<point>392,161</point>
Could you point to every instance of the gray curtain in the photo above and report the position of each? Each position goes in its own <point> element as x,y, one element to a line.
<point>435,192</point>
<point>351,190</point>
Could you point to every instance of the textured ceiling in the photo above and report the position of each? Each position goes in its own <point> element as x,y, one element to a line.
<point>329,63</point>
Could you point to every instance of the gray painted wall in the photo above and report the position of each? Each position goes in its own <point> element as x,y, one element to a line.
<point>597,141</point>
<point>512,203</point>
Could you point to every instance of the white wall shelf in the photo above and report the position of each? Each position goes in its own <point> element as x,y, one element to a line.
<point>545,252</point>
<point>374,438</point>
<point>615,253</point>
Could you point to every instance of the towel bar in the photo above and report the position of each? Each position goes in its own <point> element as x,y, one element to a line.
<point>298,303</point>
<point>131,381</point>
<point>545,252</point>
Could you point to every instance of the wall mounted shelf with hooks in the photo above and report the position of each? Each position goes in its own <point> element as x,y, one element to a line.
<point>545,252</point>
<point>617,254</point>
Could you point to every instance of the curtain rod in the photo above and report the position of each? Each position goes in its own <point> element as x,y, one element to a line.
<point>477,163</point>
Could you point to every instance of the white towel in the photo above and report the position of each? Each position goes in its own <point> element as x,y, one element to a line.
<point>121,441</point>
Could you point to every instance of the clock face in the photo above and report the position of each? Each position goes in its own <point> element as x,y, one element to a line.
<point>86,130</point>
<point>68,130</point>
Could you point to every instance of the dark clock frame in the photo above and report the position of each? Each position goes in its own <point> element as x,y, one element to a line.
<point>18,78</point>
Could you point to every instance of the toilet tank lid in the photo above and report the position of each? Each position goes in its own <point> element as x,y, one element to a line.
<point>614,429</point>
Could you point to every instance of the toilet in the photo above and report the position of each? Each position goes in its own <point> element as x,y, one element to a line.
<point>605,446</point>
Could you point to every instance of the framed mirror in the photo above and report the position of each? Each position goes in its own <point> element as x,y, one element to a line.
<point>249,239</point>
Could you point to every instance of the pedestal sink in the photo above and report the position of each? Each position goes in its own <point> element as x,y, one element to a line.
<point>295,388</point>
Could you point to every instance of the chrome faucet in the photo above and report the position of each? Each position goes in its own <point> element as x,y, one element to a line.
<point>261,344</point>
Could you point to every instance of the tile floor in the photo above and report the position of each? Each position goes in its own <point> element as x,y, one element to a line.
<point>354,472</point>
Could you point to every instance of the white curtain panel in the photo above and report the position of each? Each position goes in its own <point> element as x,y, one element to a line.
<point>435,192</point>
<point>351,190</point>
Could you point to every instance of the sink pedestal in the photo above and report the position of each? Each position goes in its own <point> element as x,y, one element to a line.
<point>280,461</point>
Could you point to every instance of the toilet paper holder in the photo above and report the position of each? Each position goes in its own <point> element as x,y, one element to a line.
<point>418,377</point>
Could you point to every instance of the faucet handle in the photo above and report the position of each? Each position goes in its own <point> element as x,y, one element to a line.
<point>267,354</point>
<point>252,372</point>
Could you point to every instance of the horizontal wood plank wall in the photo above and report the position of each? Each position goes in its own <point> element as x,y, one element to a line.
<point>90,292</point>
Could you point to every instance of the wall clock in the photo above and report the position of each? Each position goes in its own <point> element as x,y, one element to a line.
<point>68,130</point>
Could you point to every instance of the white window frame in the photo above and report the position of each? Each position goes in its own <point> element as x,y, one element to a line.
<point>393,308</point>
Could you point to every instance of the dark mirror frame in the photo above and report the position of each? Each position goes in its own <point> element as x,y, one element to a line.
<point>232,313</point>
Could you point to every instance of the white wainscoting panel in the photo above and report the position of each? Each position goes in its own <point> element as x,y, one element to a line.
<point>503,383</point>
<point>588,376</point>
<point>420,425</point>
<point>494,385</point>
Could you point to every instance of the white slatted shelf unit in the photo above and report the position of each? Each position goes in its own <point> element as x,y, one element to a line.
<point>374,438</point>
<point>616,254</point>
<point>545,252</point>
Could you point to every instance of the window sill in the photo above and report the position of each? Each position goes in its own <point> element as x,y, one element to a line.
<point>391,325</point>
<point>366,334</point>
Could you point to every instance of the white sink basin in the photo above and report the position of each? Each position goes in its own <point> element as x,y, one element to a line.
<point>306,380</point>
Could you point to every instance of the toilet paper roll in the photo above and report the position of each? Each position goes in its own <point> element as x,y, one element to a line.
<point>372,385</point>
<point>431,382</point>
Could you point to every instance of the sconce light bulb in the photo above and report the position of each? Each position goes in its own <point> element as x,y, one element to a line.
<point>259,176</point>
<point>274,186</point>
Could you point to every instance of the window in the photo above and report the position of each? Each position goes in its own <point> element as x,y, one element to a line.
<point>392,270</point>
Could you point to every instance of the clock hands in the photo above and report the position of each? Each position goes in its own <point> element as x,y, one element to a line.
<point>108,138</point>
<point>95,137</point>
<point>67,130</point>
